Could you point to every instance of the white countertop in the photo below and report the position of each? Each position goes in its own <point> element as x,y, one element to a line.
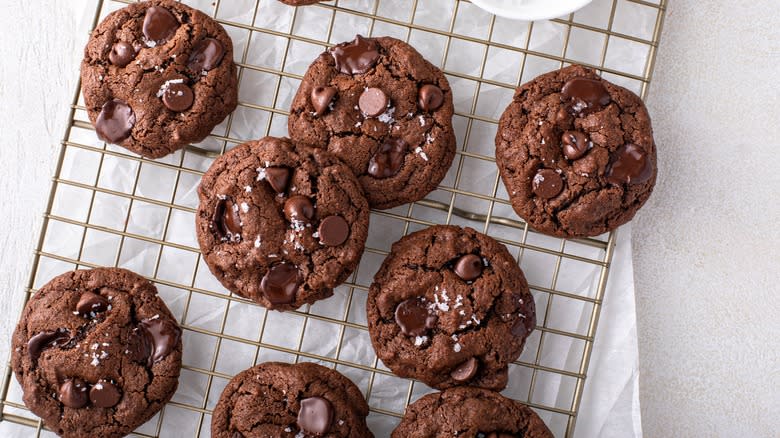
<point>705,245</point>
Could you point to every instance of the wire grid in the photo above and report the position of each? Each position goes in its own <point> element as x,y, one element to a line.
<point>108,207</point>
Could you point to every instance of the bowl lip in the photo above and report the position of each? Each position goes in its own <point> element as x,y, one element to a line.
<point>556,9</point>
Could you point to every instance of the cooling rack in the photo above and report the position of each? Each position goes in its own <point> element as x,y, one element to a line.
<point>109,207</point>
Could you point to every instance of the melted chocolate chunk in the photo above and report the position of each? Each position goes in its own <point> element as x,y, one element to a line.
<point>469,267</point>
<point>333,231</point>
<point>387,161</point>
<point>104,394</point>
<point>575,144</point>
<point>73,393</point>
<point>373,102</point>
<point>280,283</point>
<point>526,324</point>
<point>298,208</point>
<point>547,184</point>
<point>465,371</point>
<point>178,97</point>
<point>321,97</point>
<point>226,221</point>
<point>206,55</point>
<point>121,54</point>
<point>91,304</point>
<point>277,177</point>
<point>414,318</point>
<point>154,339</point>
<point>430,97</point>
<point>356,57</point>
<point>584,95</point>
<point>159,25</point>
<point>315,416</point>
<point>115,121</point>
<point>44,340</point>
<point>629,165</point>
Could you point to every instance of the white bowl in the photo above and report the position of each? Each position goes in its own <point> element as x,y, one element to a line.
<point>530,10</point>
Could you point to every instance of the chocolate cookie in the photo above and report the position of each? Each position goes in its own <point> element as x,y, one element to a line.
<point>450,306</point>
<point>280,223</point>
<point>382,108</point>
<point>97,353</point>
<point>470,413</point>
<point>576,153</point>
<point>276,399</point>
<point>158,75</point>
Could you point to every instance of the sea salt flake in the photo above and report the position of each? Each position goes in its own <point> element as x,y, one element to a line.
<point>248,189</point>
<point>456,348</point>
<point>418,150</point>
<point>245,207</point>
<point>422,120</point>
<point>164,87</point>
<point>260,173</point>
<point>419,340</point>
<point>257,242</point>
<point>387,116</point>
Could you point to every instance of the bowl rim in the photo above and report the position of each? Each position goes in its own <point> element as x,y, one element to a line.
<point>554,8</point>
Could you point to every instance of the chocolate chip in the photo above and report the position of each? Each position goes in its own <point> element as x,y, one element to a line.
<point>104,394</point>
<point>159,25</point>
<point>547,184</point>
<point>226,221</point>
<point>372,102</point>
<point>44,340</point>
<point>430,97</point>
<point>155,338</point>
<point>280,283</point>
<point>356,57</point>
<point>321,98</point>
<point>629,164</point>
<point>315,415</point>
<point>414,318</point>
<point>575,144</point>
<point>298,208</point>
<point>73,393</point>
<point>115,121</point>
<point>206,55</point>
<point>465,371</point>
<point>121,54</point>
<point>584,95</point>
<point>178,97</point>
<point>469,267</point>
<point>90,304</point>
<point>527,321</point>
<point>387,161</point>
<point>333,231</point>
<point>277,177</point>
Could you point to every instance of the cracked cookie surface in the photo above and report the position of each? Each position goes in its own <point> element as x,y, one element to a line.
<point>158,75</point>
<point>450,306</point>
<point>377,104</point>
<point>576,153</point>
<point>280,223</point>
<point>276,399</point>
<point>96,352</point>
<point>470,413</point>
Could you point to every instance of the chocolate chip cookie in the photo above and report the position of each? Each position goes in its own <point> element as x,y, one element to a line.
<point>158,75</point>
<point>377,104</point>
<point>470,413</point>
<point>276,399</point>
<point>280,223</point>
<point>450,306</point>
<point>97,353</point>
<point>576,153</point>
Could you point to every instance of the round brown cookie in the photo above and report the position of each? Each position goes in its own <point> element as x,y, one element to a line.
<point>576,153</point>
<point>450,306</point>
<point>97,353</point>
<point>281,224</point>
<point>300,2</point>
<point>382,108</point>
<point>276,399</point>
<point>158,75</point>
<point>470,413</point>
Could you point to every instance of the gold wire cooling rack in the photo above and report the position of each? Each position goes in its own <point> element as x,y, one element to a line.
<point>111,208</point>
